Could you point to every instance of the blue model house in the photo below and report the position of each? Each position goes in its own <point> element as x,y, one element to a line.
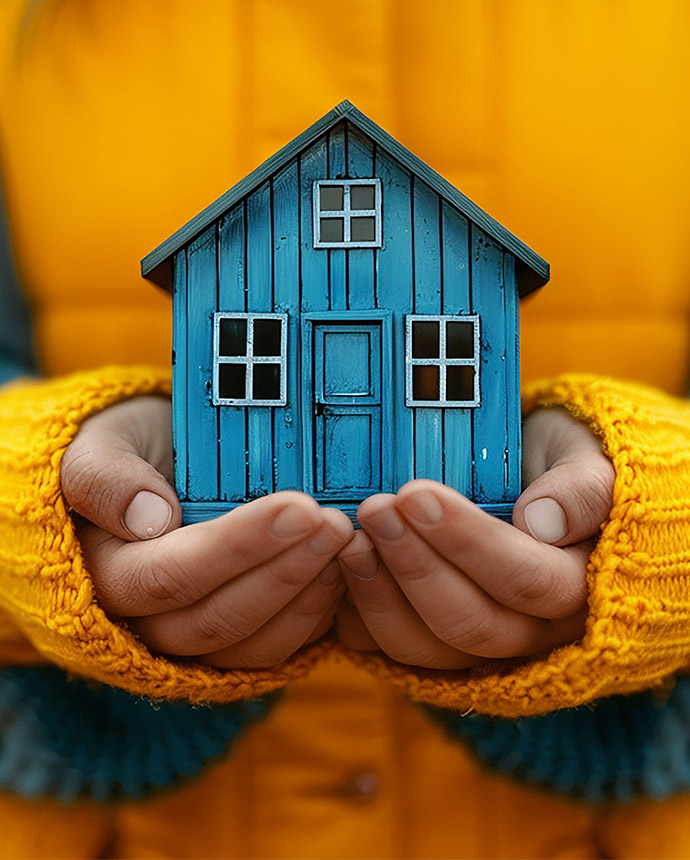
<point>344,320</point>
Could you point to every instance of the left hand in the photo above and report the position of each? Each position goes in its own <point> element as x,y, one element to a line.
<point>436,582</point>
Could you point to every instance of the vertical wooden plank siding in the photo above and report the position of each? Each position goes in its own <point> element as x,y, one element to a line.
<point>337,257</point>
<point>396,292</point>
<point>313,261</point>
<point>361,261</point>
<point>260,299</point>
<point>202,460</point>
<point>489,437</point>
<point>428,436</point>
<point>286,419</point>
<point>232,267</point>
<point>513,482</point>
<point>179,372</point>
<point>457,423</point>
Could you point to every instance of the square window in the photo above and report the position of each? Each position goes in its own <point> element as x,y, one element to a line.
<point>347,213</point>
<point>332,230</point>
<point>442,361</point>
<point>250,359</point>
<point>332,197</point>
<point>363,229</point>
<point>362,197</point>
<point>233,336</point>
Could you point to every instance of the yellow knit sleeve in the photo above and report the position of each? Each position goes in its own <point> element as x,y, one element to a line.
<point>638,629</point>
<point>45,591</point>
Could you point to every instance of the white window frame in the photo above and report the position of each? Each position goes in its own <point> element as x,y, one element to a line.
<point>442,362</point>
<point>249,360</point>
<point>346,213</point>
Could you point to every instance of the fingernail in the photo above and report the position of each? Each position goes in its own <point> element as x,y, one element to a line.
<point>325,542</point>
<point>147,516</point>
<point>386,524</point>
<point>546,520</point>
<point>423,506</point>
<point>362,565</point>
<point>291,521</point>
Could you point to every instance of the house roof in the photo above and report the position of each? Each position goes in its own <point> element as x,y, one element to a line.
<point>532,270</point>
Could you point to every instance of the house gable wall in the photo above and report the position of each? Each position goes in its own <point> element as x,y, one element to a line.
<point>260,257</point>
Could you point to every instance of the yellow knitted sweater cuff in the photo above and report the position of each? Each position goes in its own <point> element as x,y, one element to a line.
<point>45,589</point>
<point>638,629</point>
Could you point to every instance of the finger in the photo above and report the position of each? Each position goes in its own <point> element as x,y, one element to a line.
<point>111,473</point>
<point>512,567</point>
<point>390,619</point>
<point>304,619</point>
<point>351,630</point>
<point>454,607</point>
<point>239,608</point>
<point>571,482</point>
<point>180,568</point>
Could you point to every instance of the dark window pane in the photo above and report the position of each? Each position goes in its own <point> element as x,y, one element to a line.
<point>331,197</point>
<point>459,339</point>
<point>332,230</point>
<point>425,382</point>
<point>425,339</point>
<point>363,229</point>
<point>231,381</point>
<point>460,382</point>
<point>267,337</point>
<point>233,336</point>
<point>361,197</point>
<point>266,382</point>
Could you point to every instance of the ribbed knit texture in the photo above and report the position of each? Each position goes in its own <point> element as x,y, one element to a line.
<point>619,749</point>
<point>44,585</point>
<point>71,740</point>
<point>638,628</point>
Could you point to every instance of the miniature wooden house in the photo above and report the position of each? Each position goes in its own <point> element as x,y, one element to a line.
<point>344,320</point>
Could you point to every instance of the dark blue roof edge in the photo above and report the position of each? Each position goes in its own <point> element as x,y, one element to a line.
<point>532,274</point>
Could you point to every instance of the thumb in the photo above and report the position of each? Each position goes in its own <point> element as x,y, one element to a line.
<point>110,471</point>
<point>571,489</point>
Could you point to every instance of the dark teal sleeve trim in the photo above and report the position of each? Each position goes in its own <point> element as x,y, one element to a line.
<point>17,354</point>
<point>71,740</point>
<point>618,749</point>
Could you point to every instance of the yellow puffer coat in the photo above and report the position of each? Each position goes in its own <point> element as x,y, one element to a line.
<point>564,120</point>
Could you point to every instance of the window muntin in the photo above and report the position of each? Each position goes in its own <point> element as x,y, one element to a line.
<point>442,360</point>
<point>249,359</point>
<point>347,213</point>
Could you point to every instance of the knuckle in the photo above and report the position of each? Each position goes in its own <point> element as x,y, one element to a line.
<point>595,498</point>
<point>531,582</point>
<point>470,632</point>
<point>291,575</point>
<point>212,629</point>
<point>167,582</point>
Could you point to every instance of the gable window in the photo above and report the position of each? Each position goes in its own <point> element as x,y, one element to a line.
<point>442,360</point>
<point>347,213</point>
<point>249,359</point>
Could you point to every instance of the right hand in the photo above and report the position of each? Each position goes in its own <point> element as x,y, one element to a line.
<point>245,590</point>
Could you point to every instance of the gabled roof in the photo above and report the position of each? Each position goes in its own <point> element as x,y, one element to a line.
<point>532,270</point>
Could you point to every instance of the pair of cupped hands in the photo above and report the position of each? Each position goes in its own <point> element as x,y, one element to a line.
<point>430,579</point>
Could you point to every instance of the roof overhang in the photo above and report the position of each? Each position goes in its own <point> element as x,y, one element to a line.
<point>532,270</point>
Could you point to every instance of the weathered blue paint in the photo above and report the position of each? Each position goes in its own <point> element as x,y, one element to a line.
<point>345,431</point>
<point>202,416</point>
<point>232,269</point>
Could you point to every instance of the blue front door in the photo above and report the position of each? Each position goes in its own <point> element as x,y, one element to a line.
<point>345,423</point>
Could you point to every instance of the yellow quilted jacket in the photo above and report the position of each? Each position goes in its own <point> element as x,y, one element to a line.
<point>567,122</point>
